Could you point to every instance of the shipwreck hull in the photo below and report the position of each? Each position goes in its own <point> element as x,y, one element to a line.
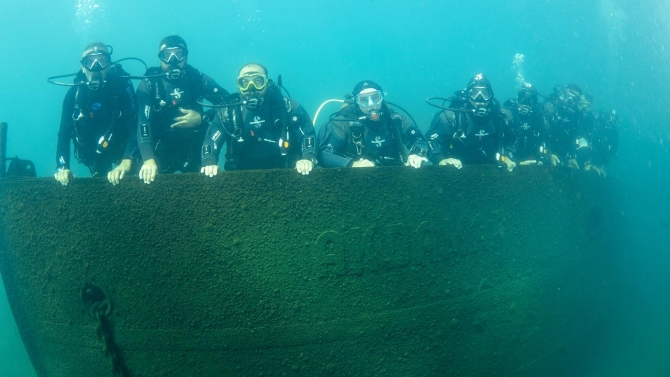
<point>364,272</point>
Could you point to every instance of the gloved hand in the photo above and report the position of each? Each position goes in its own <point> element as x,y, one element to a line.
<point>190,119</point>
<point>63,176</point>
<point>363,163</point>
<point>528,162</point>
<point>116,175</point>
<point>415,161</point>
<point>554,160</point>
<point>148,171</point>
<point>304,166</point>
<point>452,161</point>
<point>572,163</point>
<point>210,170</point>
<point>509,163</point>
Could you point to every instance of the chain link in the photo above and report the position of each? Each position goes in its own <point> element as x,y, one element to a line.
<point>101,311</point>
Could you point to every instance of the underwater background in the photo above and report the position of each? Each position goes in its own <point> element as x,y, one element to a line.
<point>615,50</point>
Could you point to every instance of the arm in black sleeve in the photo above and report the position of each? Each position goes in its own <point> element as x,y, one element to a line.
<point>65,130</point>
<point>128,106</point>
<point>145,140</point>
<point>509,137</point>
<point>412,137</point>
<point>214,139</point>
<point>212,92</point>
<point>332,141</point>
<point>439,133</point>
<point>277,107</point>
<point>549,115</point>
<point>302,128</point>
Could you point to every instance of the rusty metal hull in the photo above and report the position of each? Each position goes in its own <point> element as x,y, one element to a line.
<point>363,272</point>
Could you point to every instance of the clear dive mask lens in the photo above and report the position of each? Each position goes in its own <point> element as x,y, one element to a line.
<point>479,94</point>
<point>96,62</point>
<point>584,105</point>
<point>569,97</point>
<point>369,99</point>
<point>527,98</point>
<point>258,81</point>
<point>172,55</point>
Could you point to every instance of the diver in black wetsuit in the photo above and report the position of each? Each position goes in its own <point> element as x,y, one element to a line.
<point>602,139</point>
<point>261,128</point>
<point>369,132</point>
<point>99,116</point>
<point>172,124</point>
<point>564,121</point>
<point>529,145</point>
<point>473,130</point>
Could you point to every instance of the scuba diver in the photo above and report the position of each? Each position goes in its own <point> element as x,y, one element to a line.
<point>474,129</point>
<point>604,141</point>
<point>261,128</point>
<point>99,116</point>
<point>563,120</point>
<point>368,132</point>
<point>172,122</point>
<point>529,133</point>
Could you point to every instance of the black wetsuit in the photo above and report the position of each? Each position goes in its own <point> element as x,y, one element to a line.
<point>350,136</point>
<point>564,129</point>
<point>160,100</point>
<point>469,138</point>
<point>603,139</point>
<point>101,123</point>
<point>273,135</point>
<point>529,133</point>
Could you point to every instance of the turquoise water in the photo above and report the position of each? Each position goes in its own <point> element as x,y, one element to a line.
<point>617,50</point>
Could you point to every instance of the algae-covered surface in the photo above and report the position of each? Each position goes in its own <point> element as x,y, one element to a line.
<point>345,272</point>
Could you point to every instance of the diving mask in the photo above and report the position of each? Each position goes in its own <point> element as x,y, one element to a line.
<point>369,98</point>
<point>527,98</point>
<point>258,80</point>
<point>584,105</point>
<point>569,97</point>
<point>172,55</point>
<point>96,61</point>
<point>479,94</point>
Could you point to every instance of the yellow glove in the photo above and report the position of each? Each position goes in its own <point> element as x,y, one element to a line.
<point>572,163</point>
<point>452,161</point>
<point>554,160</point>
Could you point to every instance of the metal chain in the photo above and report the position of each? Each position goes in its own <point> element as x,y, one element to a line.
<point>100,311</point>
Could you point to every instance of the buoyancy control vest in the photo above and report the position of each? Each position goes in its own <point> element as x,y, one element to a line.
<point>90,115</point>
